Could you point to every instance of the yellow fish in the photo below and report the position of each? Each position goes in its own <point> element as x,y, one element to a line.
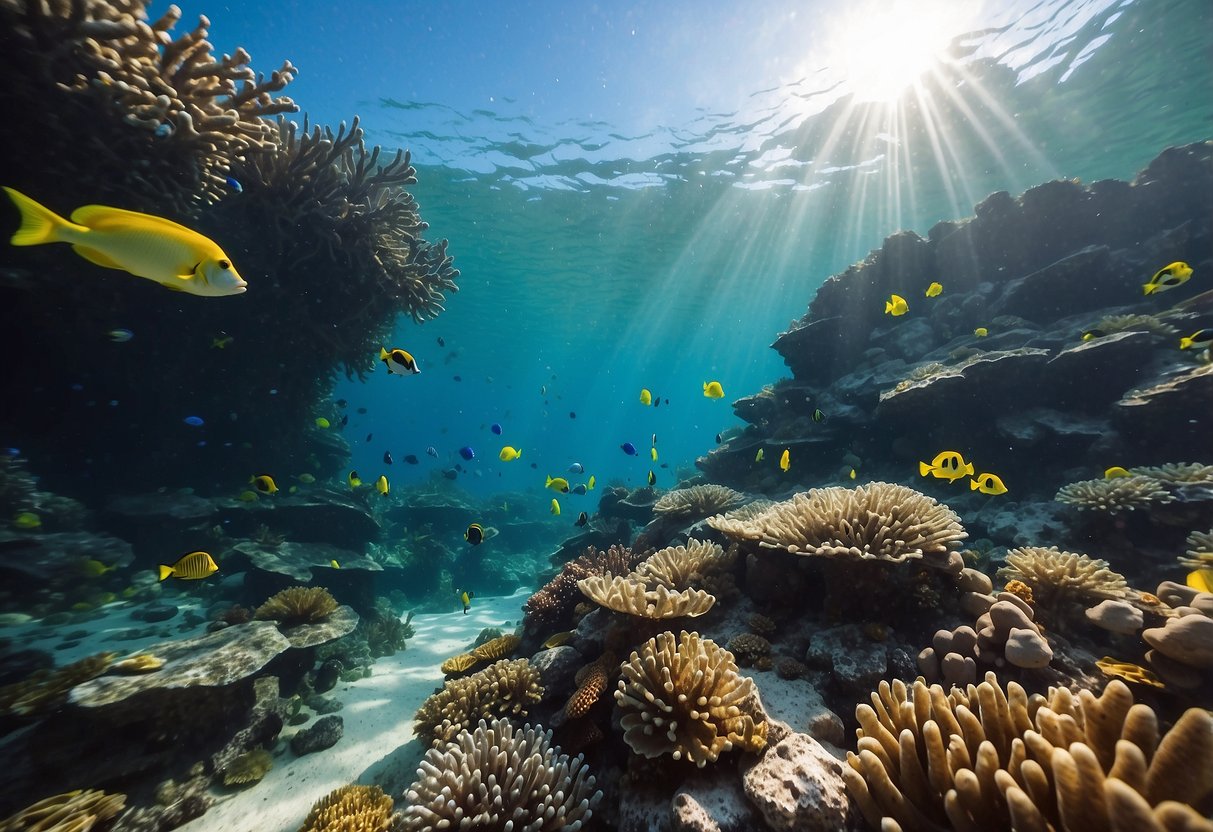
<point>558,639</point>
<point>95,568</point>
<point>190,567</point>
<point>247,496</point>
<point>381,485</point>
<point>947,465</point>
<point>353,479</point>
<point>1116,471</point>
<point>589,486</point>
<point>1199,339</point>
<point>653,453</point>
<point>853,473</point>
<point>465,598</point>
<point>27,520</point>
<point>264,483</point>
<point>557,484</point>
<point>713,390</point>
<point>785,460</point>
<point>333,563</point>
<point>1168,277</point>
<point>306,479</point>
<point>646,398</point>
<point>292,489</point>
<point>981,332</point>
<point>555,507</point>
<point>322,422</point>
<point>987,484</point>
<point>934,290</point>
<point>652,477</point>
<point>1201,580</point>
<point>758,456</point>
<point>399,362</point>
<point>145,246</point>
<point>509,454</point>
<point>896,306</point>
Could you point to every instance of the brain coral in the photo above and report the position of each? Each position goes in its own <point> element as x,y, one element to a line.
<point>1115,495</point>
<point>698,501</point>
<point>684,697</point>
<point>505,688</point>
<point>879,520</point>
<point>1054,575</point>
<point>984,758</point>
<point>498,777</point>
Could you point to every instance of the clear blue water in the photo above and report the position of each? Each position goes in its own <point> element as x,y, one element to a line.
<point>644,197</point>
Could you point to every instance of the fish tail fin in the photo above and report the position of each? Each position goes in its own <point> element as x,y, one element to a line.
<point>165,571</point>
<point>923,469</point>
<point>973,485</point>
<point>39,224</point>
<point>969,469</point>
<point>1149,288</point>
<point>383,353</point>
<point>888,307</point>
<point>1185,343</point>
<point>548,484</point>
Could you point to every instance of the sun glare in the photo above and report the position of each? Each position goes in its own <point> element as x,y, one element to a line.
<point>882,48</point>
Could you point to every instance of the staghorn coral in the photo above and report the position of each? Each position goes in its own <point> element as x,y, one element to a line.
<point>46,690</point>
<point>351,809</point>
<point>1055,575</point>
<point>552,605</point>
<point>683,696</point>
<point>496,648</point>
<point>988,758</point>
<point>877,521</point>
<point>248,767</point>
<point>1200,551</point>
<point>748,648</point>
<point>683,567</point>
<point>1114,495</point>
<point>76,811</point>
<point>459,664</point>
<point>631,594</point>
<point>698,501</point>
<point>298,605</point>
<point>503,689</point>
<point>498,777</point>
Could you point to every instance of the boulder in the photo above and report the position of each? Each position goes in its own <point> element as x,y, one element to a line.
<point>797,786</point>
<point>340,622</point>
<point>318,515</point>
<point>321,734</point>
<point>712,801</point>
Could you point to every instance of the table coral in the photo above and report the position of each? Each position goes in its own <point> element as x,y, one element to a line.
<point>631,594</point>
<point>682,567</point>
<point>1115,495</point>
<point>698,501</point>
<point>991,759</point>
<point>500,777</point>
<point>504,688</point>
<point>1055,575</point>
<point>682,696</point>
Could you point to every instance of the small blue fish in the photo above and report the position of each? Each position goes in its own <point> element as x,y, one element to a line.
<point>432,451</point>
<point>577,468</point>
<point>194,421</point>
<point>234,184</point>
<point>579,488</point>
<point>628,448</point>
<point>120,336</point>
<point>495,428</point>
<point>467,453</point>
<point>164,131</point>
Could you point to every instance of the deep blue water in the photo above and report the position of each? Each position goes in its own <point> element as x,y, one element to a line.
<point>645,195</point>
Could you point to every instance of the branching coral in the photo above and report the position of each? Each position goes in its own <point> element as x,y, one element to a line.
<point>1177,473</point>
<point>46,690</point>
<point>500,777</point>
<point>1200,551</point>
<point>989,759</point>
<point>298,605</point>
<point>351,809</point>
<point>1055,575</point>
<point>77,811</point>
<point>683,696</point>
<point>632,595</point>
<point>698,501</point>
<point>880,521</point>
<point>505,688</point>
<point>1115,495</point>
<point>552,605</point>
<point>683,567</point>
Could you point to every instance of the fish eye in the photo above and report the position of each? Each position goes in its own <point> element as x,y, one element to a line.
<point>225,264</point>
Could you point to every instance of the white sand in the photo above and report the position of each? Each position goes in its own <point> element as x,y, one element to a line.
<point>378,714</point>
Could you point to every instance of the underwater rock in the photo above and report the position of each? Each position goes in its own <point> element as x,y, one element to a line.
<point>858,663</point>
<point>262,724</point>
<point>1065,287</point>
<point>339,623</point>
<point>990,381</point>
<point>327,676</point>
<point>52,560</point>
<point>1160,415</point>
<point>321,734</point>
<point>158,611</point>
<point>319,515</point>
<point>1095,373</point>
<point>557,667</point>
<point>211,660</point>
<point>797,786</point>
<point>296,560</point>
<point>712,801</point>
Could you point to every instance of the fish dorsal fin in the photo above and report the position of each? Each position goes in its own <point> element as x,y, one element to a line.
<point>101,216</point>
<point>94,256</point>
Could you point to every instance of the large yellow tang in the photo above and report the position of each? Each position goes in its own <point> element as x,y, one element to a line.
<point>146,246</point>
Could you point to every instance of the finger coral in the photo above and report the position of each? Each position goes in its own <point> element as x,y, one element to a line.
<point>298,605</point>
<point>992,759</point>
<point>680,567</point>
<point>503,689</point>
<point>1115,495</point>
<point>351,809</point>
<point>683,696</point>
<point>880,521</point>
<point>500,777</point>
<point>77,811</point>
<point>552,605</point>
<point>632,595</point>
<point>698,501</point>
<point>1055,575</point>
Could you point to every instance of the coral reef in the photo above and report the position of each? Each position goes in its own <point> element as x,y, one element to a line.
<point>1114,495</point>
<point>1056,576</point>
<point>497,776</point>
<point>248,767</point>
<point>552,605</point>
<point>697,502</point>
<point>682,567</point>
<point>989,758</point>
<point>351,809</point>
<point>682,696</point>
<point>504,688</point>
<point>496,648</point>
<point>459,664</point>
<point>1200,551</point>
<point>631,594</point>
<point>46,690</point>
<point>592,681</point>
<point>748,649</point>
<point>298,605</point>
<point>75,811</point>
